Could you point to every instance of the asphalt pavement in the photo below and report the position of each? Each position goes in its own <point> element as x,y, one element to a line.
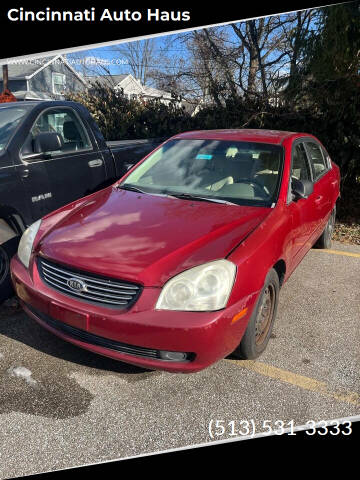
<point>61,406</point>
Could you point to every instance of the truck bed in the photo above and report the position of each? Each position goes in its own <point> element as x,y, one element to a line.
<point>128,152</point>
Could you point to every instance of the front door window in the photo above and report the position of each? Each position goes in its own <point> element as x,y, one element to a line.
<point>66,123</point>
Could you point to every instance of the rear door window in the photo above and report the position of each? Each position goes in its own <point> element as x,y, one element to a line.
<point>317,160</point>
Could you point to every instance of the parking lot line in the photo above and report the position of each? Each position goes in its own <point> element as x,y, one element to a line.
<point>300,381</point>
<point>338,252</point>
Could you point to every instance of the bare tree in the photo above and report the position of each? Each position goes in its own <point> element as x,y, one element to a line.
<point>253,59</point>
<point>194,74</point>
<point>240,59</point>
<point>90,64</point>
<point>296,37</point>
<point>264,41</point>
<point>140,56</point>
<point>206,74</point>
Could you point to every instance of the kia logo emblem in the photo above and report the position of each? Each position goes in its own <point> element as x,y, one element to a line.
<point>76,284</point>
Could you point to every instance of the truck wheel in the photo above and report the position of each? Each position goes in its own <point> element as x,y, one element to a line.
<point>260,325</point>
<point>325,240</point>
<point>7,250</point>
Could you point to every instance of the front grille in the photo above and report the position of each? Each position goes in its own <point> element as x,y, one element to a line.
<point>93,288</point>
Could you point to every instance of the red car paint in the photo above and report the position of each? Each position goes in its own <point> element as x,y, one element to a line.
<point>148,239</point>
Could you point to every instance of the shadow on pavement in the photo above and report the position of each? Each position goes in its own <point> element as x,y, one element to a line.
<point>15,324</point>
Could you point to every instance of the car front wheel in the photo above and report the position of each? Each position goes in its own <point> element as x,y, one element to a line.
<point>260,325</point>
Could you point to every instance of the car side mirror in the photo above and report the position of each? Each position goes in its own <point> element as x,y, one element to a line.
<point>47,142</point>
<point>301,188</point>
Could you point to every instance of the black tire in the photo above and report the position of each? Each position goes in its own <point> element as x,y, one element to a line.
<point>325,240</point>
<point>259,328</point>
<point>7,250</point>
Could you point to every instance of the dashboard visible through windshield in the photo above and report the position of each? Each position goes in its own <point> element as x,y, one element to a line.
<point>237,172</point>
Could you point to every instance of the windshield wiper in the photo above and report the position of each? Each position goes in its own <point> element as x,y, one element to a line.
<point>189,196</point>
<point>186,196</point>
<point>129,187</point>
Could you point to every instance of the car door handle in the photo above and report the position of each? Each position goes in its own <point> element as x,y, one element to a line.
<point>95,163</point>
<point>24,173</point>
<point>318,199</point>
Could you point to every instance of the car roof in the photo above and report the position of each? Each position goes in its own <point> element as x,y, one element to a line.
<point>35,103</point>
<point>244,135</point>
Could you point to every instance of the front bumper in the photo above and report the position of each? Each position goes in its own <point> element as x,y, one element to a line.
<point>138,335</point>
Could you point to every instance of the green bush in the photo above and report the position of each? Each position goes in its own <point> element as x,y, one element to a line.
<point>120,118</point>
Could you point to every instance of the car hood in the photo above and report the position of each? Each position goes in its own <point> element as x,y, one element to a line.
<point>146,238</point>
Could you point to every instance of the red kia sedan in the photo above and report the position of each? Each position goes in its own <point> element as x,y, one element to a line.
<point>180,263</point>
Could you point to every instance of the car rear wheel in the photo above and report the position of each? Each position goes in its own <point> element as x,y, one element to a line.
<point>325,239</point>
<point>7,250</point>
<point>260,325</point>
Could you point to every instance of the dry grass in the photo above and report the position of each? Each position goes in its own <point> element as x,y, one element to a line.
<point>347,233</point>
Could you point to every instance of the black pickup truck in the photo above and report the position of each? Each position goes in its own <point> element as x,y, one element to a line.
<point>51,153</point>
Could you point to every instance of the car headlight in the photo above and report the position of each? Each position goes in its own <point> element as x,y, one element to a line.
<point>203,288</point>
<point>26,243</point>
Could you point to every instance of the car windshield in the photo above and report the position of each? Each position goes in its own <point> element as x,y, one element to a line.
<point>10,119</point>
<point>238,172</point>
